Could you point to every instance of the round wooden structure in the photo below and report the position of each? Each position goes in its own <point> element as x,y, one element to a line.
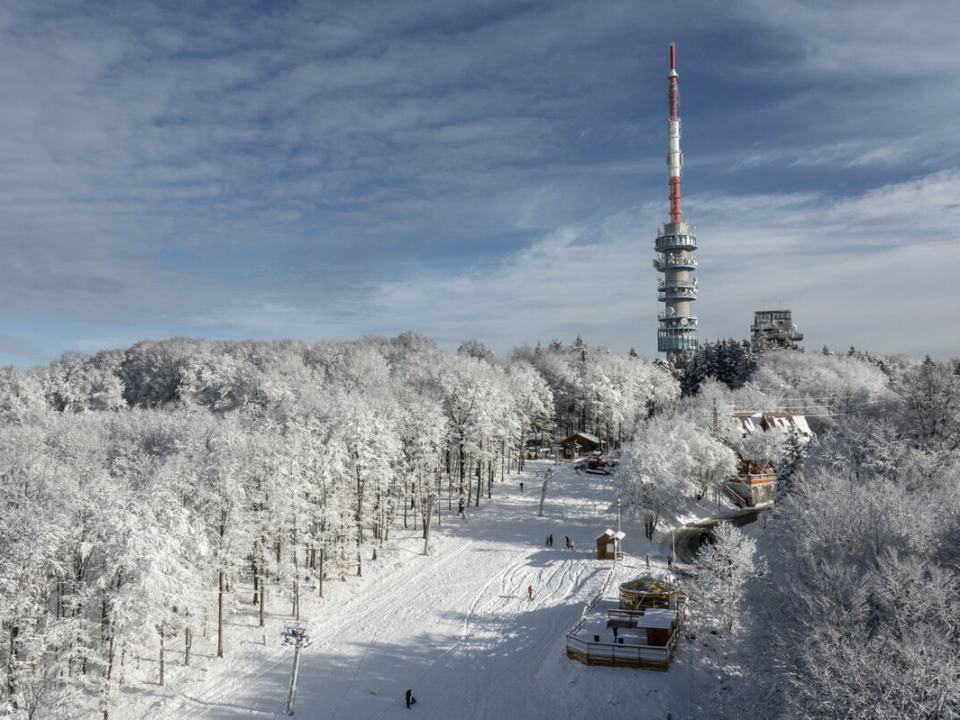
<point>649,592</point>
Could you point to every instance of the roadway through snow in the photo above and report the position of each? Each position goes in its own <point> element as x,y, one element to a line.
<point>689,538</point>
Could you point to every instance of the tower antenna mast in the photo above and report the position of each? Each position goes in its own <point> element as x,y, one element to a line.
<point>677,332</point>
<point>674,156</point>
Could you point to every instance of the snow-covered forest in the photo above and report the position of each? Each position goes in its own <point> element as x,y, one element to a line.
<point>141,486</point>
<point>149,492</point>
<point>852,610</point>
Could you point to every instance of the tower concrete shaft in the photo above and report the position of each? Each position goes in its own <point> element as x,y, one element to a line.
<point>677,332</point>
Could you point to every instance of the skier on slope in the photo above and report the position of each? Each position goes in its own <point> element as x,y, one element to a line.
<point>530,592</point>
<point>411,700</point>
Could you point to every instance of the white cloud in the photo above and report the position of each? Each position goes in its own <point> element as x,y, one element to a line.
<point>331,169</point>
<point>856,271</point>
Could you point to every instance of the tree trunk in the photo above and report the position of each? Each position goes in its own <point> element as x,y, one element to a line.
<point>161,655</point>
<point>296,576</point>
<point>263,603</point>
<point>187,643</point>
<point>359,519</point>
<point>479,476</point>
<point>520,455</point>
<point>320,574</point>
<point>463,473</point>
<point>11,669</point>
<point>220,591</point>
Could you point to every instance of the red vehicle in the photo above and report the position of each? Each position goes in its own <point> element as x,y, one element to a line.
<point>596,465</point>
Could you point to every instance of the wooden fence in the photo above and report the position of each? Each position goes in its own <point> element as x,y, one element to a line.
<point>650,657</point>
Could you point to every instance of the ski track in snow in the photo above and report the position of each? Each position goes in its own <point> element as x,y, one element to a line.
<point>456,626</point>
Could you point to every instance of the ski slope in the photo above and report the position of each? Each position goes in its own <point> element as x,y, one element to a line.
<point>456,627</point>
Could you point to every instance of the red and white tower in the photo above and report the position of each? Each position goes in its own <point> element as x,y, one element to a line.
<point>677,332</point>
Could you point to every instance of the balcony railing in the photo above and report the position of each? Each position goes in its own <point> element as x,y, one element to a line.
<point>677,294</point>
<point>691,321</point>
<point>673,260</point>
<point>679,242</point>
<point>677,283</point>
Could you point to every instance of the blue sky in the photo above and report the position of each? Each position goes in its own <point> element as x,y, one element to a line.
<point>490,170</point>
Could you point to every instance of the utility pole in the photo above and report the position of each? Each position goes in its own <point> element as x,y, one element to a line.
<point>296,636</point>
<point>543,494</point>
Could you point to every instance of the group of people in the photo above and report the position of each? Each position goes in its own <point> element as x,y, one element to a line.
<point>549,542</point>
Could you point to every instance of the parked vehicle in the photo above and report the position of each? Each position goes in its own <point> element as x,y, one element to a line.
<point>596,465</point>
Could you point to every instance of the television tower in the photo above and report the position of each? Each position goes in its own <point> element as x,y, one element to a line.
<point>677,332</point>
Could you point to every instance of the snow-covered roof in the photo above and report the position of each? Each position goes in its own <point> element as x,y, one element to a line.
<point>801,423</point>
<point>749,422</point>
<point>649,586</point>
<point>586,436</point>
<point>656,618</point>
<point>608,533</point>
<point>786,423</point>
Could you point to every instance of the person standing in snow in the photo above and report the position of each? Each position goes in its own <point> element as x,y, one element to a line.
<point>411,700</point>
<point>550,540</point>
<point>530,592</point>
<point>521,487</point>
<point>567,538</point>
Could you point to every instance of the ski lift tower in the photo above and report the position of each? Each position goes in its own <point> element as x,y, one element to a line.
<point>296,636</point>
<point>677,331</point>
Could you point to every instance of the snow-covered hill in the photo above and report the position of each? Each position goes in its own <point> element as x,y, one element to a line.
<point>456,627</point>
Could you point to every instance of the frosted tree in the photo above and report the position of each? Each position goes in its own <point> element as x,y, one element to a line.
<point>655,474</point>
<point>532,400</point>
<point>929,406</point>
<point>21,396</point>
<point>29,537</point>
<point>710,463</point>
<point>222,504</point>
<point>422,429</point>
<point>74,384</point>
<point>722,568</point>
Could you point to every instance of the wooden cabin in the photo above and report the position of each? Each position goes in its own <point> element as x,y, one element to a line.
<point>578,444</point>
<point>608,544</point>
<point>659,625</point>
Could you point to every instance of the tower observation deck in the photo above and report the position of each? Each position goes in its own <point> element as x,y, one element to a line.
<point>677,331</point>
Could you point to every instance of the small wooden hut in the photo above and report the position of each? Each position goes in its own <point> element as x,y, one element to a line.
<point>608,544</point>
<point>659,624</point>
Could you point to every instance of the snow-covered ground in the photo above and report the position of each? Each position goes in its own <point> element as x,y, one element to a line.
<point>456,627</point>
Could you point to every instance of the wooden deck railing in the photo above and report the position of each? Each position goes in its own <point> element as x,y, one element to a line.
<point>621,654</point>
<point>650,657</point>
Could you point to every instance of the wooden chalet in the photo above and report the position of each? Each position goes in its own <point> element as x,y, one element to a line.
<point>578,444</point>
<point>756,483</point>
